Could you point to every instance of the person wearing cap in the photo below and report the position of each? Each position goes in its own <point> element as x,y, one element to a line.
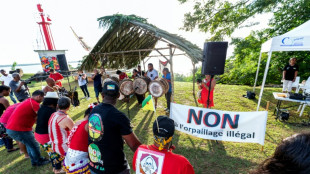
<point>51,86</point>
<point>56,76</point>
<point>108,128</point>
<point>20,125</point>
<point>289,75</point>
<point>41,131</point>
<point>6,79</point>
<point>18,87</point>
<point>158,158</point>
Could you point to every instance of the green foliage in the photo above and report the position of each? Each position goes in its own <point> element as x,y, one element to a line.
<point>221,18</point>
<point>14,66</point>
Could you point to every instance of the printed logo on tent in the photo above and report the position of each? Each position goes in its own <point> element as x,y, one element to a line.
<point>95,127</point>
<point>292,41</point>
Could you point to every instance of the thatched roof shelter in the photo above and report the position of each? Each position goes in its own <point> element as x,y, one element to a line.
<point>130,39</point>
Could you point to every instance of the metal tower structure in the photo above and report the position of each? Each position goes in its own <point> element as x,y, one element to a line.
<point>45,26</point>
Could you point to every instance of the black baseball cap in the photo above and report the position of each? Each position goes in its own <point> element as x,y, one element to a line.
<point>110,89</point>
<point>163,127</point>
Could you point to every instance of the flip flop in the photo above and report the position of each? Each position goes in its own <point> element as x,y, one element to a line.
<point>12,150</point>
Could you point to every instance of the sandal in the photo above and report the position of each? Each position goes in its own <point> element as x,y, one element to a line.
<point>13,149</point>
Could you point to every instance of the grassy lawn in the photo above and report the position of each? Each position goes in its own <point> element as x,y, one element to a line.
<point>206,156</point>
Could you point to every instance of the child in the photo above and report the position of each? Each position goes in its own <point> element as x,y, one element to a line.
<point>76,160</point>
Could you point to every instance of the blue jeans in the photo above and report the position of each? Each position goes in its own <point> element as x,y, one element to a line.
<point>97,90</point>
<point>28,139</point>
<point>85,90</point>
<point>12,97</point>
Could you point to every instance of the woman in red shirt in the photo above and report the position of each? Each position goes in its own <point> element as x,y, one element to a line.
<point>206,86</point>
<point>56,76</point>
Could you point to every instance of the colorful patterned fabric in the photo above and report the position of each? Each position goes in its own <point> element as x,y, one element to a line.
<point>54,157</point>
<point>76,162</point>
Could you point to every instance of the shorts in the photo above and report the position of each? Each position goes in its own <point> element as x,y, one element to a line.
<point>97,91</point>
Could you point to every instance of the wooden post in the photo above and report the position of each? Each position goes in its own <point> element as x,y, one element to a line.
<point>171,70</point>
<point>140,59</point>
<point>262,148</point>
<point>194,80</point>
<point>267,106</point>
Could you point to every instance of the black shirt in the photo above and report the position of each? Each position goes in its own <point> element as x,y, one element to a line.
<point>141,73</point>
<point>44,114</point>
<point>105,150</point>
<point>97,81</point>
<point>290,71</point>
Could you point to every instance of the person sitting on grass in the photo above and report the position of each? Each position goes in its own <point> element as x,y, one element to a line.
<point>76,160</point>
<point>51,86</point>
<point>41,131</point>
<point>4,105</point>
<point>59,126</point>
<point>158,158</point>
<point>20,125</point>
<point>291,156</point>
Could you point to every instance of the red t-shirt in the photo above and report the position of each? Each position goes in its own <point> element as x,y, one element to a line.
<point>173,163</point>
<point>7,114</point>
<point>23,117</point>
<point>78,137</point>
<point>123,76</point>
<point>57,76</point>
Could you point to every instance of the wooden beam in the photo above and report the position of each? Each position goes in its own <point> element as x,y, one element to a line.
<point>172,75</point>
<point>131,51</point>
<point>194,81</point>
<point>163,56</point>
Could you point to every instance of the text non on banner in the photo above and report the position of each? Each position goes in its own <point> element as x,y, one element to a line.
<point>247,127</point>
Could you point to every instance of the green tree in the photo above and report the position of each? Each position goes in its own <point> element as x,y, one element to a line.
<point>241,68</point>
<point>222,17</point>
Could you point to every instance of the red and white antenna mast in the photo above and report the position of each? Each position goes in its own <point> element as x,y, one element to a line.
<point>45,25</point>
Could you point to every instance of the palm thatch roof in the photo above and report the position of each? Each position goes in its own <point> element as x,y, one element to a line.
<point>128,33</point>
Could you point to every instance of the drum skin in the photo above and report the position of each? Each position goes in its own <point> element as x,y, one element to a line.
<point>140,85</point>
<point>157,88</point>
<point>126,87</point>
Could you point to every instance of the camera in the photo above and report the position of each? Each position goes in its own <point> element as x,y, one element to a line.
<point>26,82</point>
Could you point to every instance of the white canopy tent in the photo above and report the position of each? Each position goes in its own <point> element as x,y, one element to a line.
<point>297,39</point>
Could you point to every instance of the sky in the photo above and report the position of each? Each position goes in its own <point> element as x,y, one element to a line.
<point>20,32</point>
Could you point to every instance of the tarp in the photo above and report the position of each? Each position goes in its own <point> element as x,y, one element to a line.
<point>297,39</point>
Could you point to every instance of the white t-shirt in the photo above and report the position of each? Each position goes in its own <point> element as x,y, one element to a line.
<point>6,79</point>
<point>81,81</point>
<point>152,74</point>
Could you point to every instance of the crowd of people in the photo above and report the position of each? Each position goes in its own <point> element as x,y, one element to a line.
<point>95,144</point>
<point>91,145</point>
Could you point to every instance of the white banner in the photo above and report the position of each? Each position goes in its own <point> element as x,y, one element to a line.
<point>246,127</point>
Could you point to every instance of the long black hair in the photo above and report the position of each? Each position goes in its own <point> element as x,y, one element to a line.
<point>291,156</point>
